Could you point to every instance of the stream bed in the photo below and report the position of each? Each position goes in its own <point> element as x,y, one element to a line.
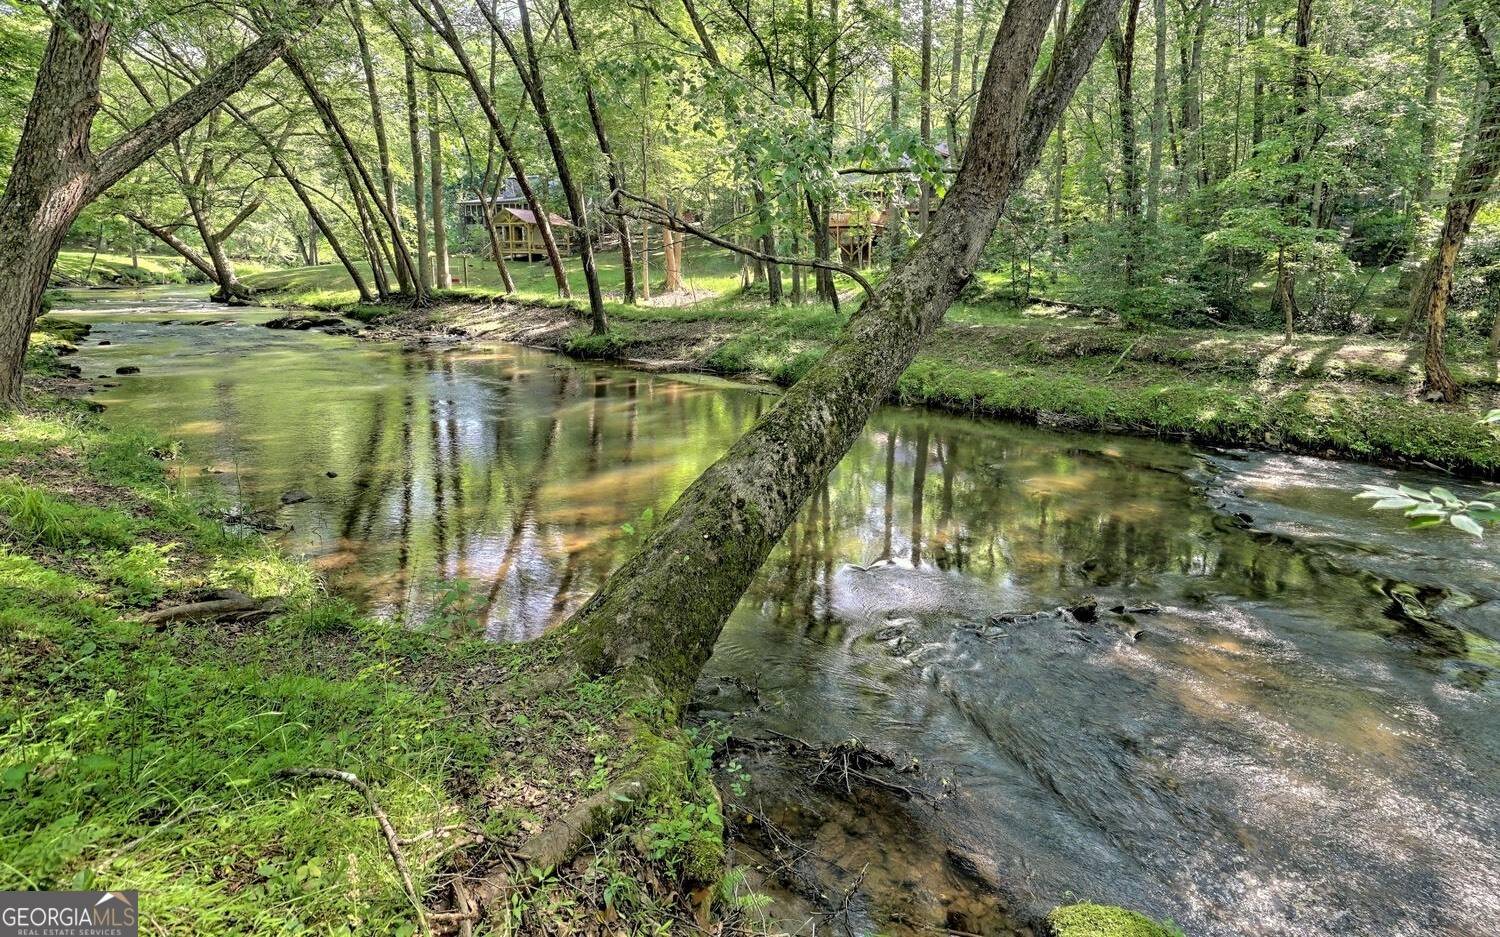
<point>1280,714</point>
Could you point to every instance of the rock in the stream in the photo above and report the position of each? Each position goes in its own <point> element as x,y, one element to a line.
<point>295,496</point>
<point>106,342</point>
<point>127,369</point>
<point>301,323</point>
<point>330,474</point>
<point>1087,610</point>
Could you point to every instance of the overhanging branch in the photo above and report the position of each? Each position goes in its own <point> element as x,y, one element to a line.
<point>652,213</point>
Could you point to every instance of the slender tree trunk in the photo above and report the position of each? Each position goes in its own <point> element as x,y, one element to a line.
<point>442,275</point>
<point>316,222</point>
<point>444,27</point>
<point>55,174</point>
<point>1474,180</point>
<point>531,76</point>
<point>377,123</point>
<point>419,175</point>
<point>616,174</point>
<point>895,200</point>
<point>1258,93</point>
<point>924,199</point>
<point>659,615</point>
<point>360,176</point>
<point>1433,84</point>
<point>168,237</point>
<point>1122,44</point>
<point>1158,115</point>
<point>954,96</point>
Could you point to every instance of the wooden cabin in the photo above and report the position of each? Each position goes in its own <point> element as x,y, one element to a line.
<point>521,236</point>
<point>855,232</point>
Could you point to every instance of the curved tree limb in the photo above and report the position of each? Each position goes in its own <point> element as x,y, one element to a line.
<point>653,213</point>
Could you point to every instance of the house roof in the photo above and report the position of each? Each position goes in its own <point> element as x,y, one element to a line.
<point>529,218</point>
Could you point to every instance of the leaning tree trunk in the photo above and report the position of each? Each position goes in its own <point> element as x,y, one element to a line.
<point>315,217</point>
<point>658,616</point>
<point>377,123</point>
<point>55,174</point>
<point>439,20</point>
<point>167,236</point>
<point>612,164</point>
<point>531,76</point>
<point>1475,177</point>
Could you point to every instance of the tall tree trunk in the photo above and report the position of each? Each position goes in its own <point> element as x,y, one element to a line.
<point>1158,115</point>
<point>616,174</point>
<point>1286,283</point>
<point>360,178</point>
<point>1060,151</point>
<point>531,77</point>
<point>442,276</point>
<point>1433,84</point>
<point>1122,45</point>
<point>419,175</point>
<point>317,223</point>
<point>924,199</point>
<point>439,20</point>
<point>1258,94</point>
<point>1475,177</point>
<point>954,97</point>
<point>377,123</point>
<point>659,615</point>
<point>895,200</point>
<point>55,174</point>
<point>1190,56</point>
<point>441,273</point>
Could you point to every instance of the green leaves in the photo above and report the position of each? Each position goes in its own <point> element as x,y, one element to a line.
<point>1434,506</point>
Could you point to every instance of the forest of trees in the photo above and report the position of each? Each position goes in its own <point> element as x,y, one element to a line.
<point>1301,166</point>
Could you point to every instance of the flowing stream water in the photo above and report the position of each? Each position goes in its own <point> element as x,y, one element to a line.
<point>1282,718</point>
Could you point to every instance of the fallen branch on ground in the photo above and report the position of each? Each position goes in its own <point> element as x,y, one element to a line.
<point>212,608</point>
<point>392,841</point>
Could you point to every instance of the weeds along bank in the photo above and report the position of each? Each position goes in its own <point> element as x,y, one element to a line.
<point>182,755</point>
<point>1339,397</point>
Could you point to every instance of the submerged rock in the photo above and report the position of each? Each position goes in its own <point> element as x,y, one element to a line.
<point>295,496</point>
<point>127,369</point>
<point>301,323</point>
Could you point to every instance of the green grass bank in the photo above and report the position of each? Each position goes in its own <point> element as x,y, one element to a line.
<point>1054,365</point>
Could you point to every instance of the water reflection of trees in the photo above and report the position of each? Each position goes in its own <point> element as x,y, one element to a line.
<point>520,475</point>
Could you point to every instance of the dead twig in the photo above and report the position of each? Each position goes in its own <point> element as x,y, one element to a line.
<point>392,841</point>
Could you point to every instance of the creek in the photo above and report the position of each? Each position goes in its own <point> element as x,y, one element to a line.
<point>1281,717</point>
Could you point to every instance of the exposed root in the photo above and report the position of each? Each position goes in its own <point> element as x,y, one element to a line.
<point>560,840</point>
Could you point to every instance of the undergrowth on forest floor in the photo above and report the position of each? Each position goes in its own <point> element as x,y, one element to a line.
<point>153,755</point>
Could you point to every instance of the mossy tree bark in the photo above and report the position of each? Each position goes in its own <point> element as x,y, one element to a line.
<point>56,173</point>
<point>1475,177</point>
<point>659,615</point>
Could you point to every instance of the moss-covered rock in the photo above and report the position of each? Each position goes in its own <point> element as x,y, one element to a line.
<point>1101,920</point>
